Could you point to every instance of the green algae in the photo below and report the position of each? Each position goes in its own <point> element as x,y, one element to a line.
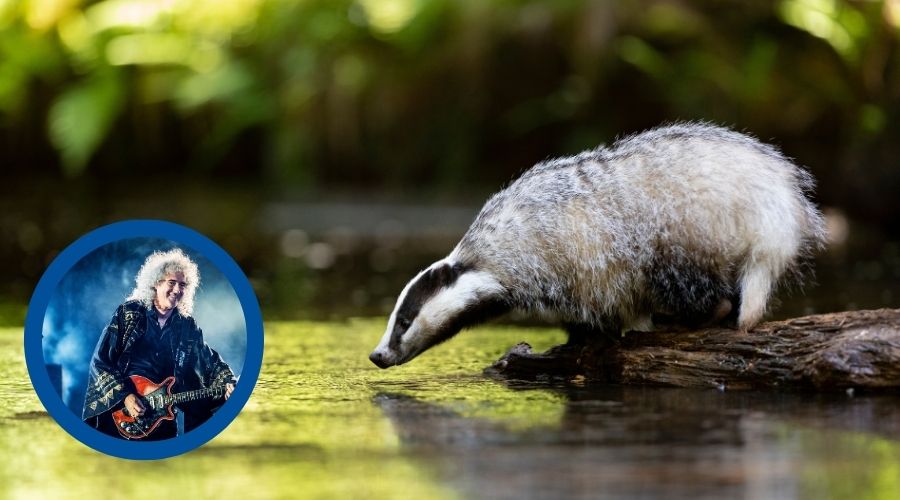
<point>310,427</point>
<point>313,428</point>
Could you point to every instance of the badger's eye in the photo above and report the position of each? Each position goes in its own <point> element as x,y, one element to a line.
<point>404,323</point>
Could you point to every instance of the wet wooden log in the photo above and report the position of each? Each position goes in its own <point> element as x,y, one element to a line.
<point>837,351</point>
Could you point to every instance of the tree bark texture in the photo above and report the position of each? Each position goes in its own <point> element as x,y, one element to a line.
<point>837,351</point>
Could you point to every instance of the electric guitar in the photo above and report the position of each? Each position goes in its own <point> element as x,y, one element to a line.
<point>158,401</point>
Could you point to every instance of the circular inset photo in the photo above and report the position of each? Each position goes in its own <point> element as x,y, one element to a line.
<point>143,339</point>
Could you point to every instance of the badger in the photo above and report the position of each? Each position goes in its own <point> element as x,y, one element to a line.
<point>688,224</point>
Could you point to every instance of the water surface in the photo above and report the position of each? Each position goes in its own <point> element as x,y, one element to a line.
<point>323,422</point>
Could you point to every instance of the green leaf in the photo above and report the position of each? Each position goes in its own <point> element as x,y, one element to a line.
<point>80,119</point>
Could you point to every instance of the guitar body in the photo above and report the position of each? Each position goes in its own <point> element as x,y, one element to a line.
<point>139,427</point>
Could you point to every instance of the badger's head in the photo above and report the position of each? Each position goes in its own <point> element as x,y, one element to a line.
<point>438,303</point>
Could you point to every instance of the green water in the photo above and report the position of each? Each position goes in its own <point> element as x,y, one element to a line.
<point>324,423</point>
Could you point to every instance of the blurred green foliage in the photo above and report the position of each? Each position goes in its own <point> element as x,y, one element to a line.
<point>400,92</point>
<point>248,102</point>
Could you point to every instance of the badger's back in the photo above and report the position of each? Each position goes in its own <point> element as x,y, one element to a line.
<point>614,231</point>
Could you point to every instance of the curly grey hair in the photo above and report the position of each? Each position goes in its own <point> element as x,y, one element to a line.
<point>155,268</point>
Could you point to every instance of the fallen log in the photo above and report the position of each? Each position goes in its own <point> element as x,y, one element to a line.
<point>837,351</point>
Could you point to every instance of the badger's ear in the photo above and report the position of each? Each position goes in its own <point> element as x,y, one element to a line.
<point>446,274</point>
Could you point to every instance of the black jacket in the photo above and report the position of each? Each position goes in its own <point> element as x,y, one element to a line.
<point>196,365</point>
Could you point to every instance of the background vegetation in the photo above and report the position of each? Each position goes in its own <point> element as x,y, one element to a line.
<point>209,113</point>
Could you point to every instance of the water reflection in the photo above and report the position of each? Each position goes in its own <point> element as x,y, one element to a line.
<point>439,429</point>
<point>647,442</point>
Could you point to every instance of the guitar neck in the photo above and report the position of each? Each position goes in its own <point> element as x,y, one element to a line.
<point>183,397</point>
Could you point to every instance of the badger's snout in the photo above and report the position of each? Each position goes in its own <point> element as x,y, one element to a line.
<point>380,359</point>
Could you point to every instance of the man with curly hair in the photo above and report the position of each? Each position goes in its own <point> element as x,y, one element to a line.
<point>153,335</point>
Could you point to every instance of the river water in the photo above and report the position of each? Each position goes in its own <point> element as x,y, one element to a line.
<point>325,423</point>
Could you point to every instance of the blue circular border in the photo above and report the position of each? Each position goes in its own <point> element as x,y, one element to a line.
<point>40,379</point>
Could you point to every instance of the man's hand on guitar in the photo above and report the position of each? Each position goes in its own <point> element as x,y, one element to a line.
<point>229,388</point>
<point>133,405</point>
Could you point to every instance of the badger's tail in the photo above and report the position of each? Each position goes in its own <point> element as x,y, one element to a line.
<point>790,256</point>
<point>814,233</point>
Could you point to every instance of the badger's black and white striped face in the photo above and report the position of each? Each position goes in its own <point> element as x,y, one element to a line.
<point>435,306</point>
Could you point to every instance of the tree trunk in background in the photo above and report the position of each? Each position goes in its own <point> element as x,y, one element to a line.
<point>856,349</point>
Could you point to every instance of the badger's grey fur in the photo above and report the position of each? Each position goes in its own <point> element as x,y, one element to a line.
<point>680,222</point>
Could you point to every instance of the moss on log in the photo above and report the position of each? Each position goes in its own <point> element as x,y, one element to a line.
<point>837,351</point>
